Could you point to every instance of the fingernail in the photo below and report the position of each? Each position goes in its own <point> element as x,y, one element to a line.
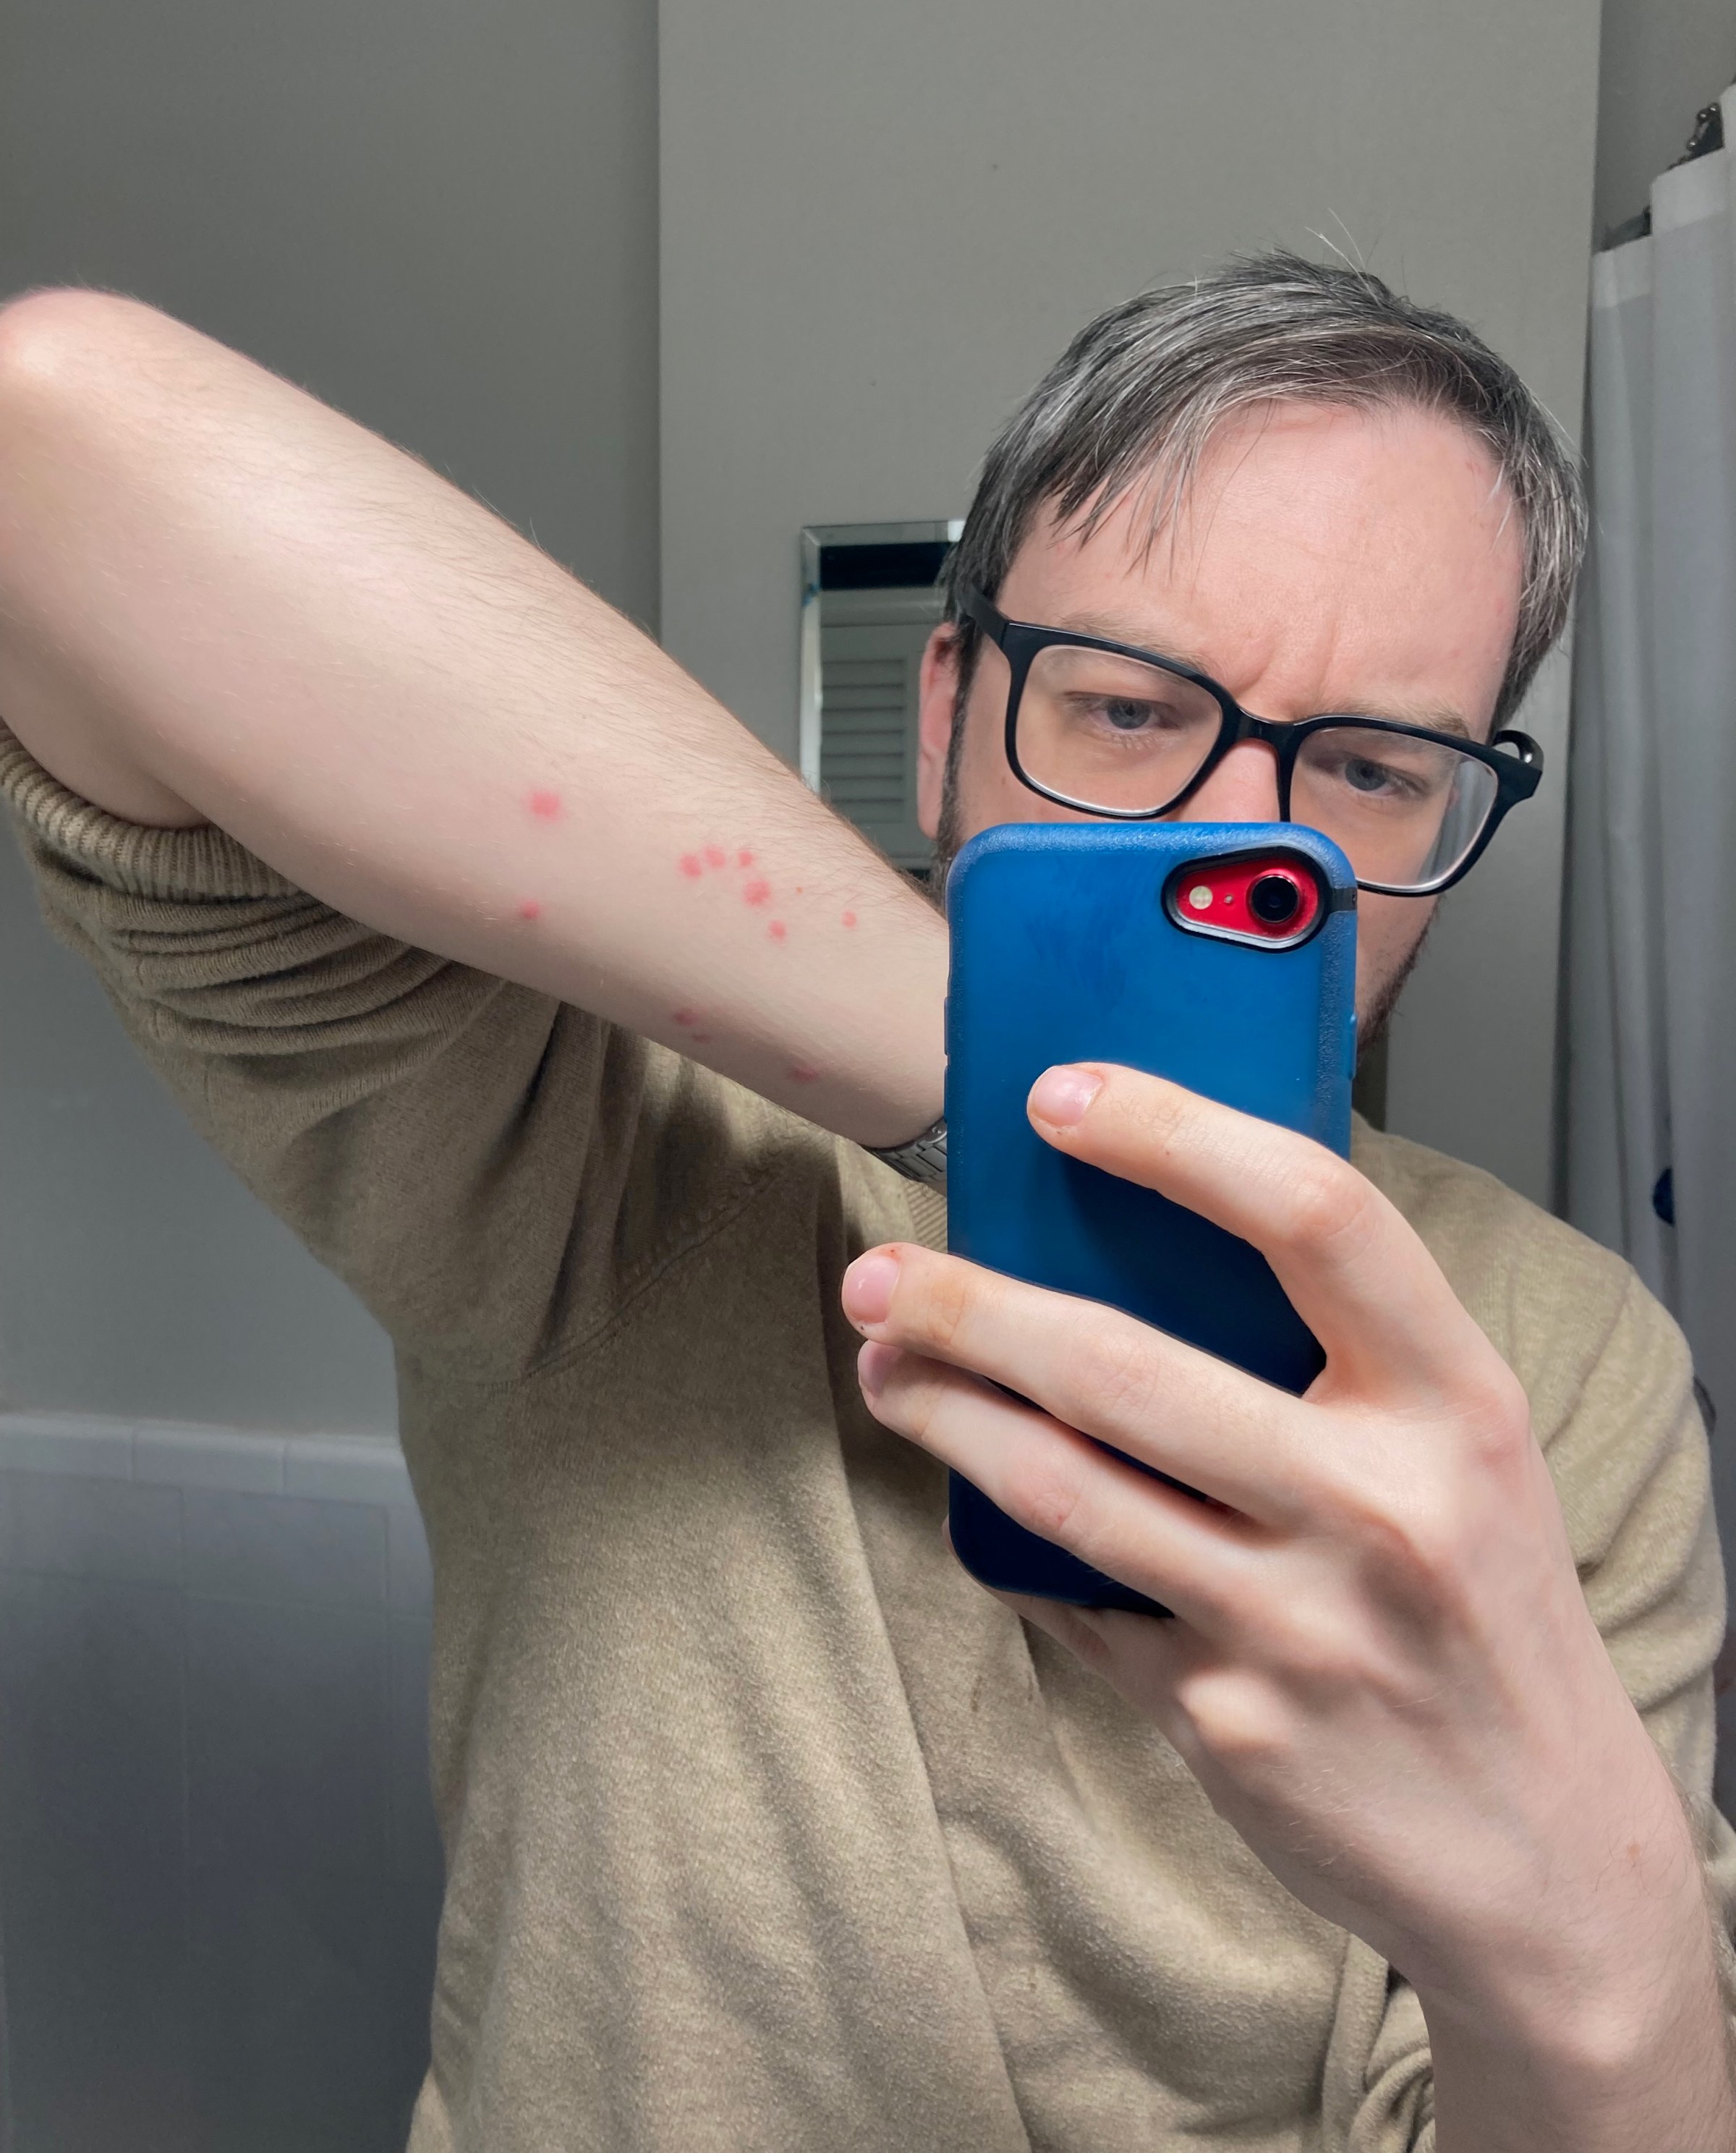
<point>872,1364</point>
<point>868,1286</point>
<point>1059,1097</point>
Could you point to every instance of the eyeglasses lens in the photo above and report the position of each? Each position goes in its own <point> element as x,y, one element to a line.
<point>1404,812</point>
<point>1107,732</point>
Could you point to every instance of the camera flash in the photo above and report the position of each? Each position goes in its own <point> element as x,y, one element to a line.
<point>1200,897</point>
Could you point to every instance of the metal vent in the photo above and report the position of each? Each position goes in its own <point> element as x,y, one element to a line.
<point>865,739</point>
<point>871,646</point>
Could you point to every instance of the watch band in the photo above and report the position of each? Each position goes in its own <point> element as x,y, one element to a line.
<point>924,1158</point>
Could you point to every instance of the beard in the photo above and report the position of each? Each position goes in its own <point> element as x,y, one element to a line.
<point>951,833</point>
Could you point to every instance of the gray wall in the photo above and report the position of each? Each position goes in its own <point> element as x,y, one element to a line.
<point>1662,60</point>
<point>880,224</point>
<point>443,218</point>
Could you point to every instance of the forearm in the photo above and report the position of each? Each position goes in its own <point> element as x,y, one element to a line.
<point>219,600</point>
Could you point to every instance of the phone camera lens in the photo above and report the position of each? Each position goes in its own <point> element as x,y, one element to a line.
<point>1274,899</point>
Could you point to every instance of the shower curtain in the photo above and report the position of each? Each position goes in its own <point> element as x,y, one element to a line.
<point>1650,1164</point>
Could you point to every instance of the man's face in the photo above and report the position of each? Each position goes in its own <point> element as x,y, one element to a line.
<point>1364,564</point>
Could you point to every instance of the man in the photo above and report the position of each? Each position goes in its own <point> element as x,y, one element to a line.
<point>526,986</point>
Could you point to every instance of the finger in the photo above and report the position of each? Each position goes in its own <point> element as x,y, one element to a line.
<point>1141,1655</point>
<point>1061,1486</point>
<point>1214,1428</point>
<point>1352,1264</point>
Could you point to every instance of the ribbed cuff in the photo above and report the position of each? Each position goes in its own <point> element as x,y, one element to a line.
<point>203,861</point>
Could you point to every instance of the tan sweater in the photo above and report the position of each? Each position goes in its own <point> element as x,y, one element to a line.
<point>765,1829</point>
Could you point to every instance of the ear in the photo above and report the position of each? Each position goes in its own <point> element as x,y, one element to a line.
<point>938,698</point>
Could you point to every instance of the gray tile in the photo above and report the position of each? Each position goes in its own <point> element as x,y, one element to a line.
<point>69,1525</point>
<point>235,1458</point>
<point>287,1737</point>
<point>312,1998</point>
<point>68,1443</point>
<point>410,1573</point>
<point>415,1845</point>
<point>97,2021</point>
<point>91,1724</point>
<point>282,1548</point>
<point>346,1468</point>
<point>92,1867</point>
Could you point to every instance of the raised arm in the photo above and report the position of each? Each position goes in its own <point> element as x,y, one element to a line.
<point>221,601</point>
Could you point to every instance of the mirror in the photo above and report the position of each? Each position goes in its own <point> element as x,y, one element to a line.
<point>868,605</point>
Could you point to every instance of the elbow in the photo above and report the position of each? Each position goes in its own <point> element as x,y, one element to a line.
<point>60,348</point>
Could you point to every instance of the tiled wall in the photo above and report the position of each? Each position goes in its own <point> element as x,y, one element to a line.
<point>219,1874</point>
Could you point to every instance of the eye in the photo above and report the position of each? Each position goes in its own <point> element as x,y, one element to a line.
<point>1129,714</point>
<point>1362,774</point>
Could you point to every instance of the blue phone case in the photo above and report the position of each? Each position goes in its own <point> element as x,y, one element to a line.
<point>1062,951</point>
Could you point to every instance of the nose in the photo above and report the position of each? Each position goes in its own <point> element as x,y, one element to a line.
<point>1243,788</point>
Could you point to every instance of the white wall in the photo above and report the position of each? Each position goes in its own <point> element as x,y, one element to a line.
<point>880,224</point>
<point>443,219</point>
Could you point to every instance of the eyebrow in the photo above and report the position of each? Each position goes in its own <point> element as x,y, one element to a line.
<point>1433,717</point>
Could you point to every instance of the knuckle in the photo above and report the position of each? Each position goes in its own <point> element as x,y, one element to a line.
<point>1418,1544</point>
<point>1495,1418</point>
<point>1330,1206</point>
<point>1043,1489</point>
<point>1239,1720</point>
<point>1109,1370</point>
<point>944,1306</point>
<point>1153,1112</point>
<point>912,1398</point>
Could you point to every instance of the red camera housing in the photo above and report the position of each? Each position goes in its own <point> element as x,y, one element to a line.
<point>1269,898</point>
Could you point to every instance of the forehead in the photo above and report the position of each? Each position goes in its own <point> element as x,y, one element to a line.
<point>1318,558</point>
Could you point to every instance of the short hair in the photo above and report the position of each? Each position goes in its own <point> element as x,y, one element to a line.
<point>1138,393</point>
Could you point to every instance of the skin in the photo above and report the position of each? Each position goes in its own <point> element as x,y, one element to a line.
<point>1392,1689</point>
<point>307,638</point>
<point>1383,1670</point>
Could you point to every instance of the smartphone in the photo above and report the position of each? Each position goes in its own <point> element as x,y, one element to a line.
<point>1220,956</point>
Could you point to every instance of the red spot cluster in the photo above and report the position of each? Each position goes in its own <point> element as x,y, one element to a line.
<point>529,908</point>
<point>755,890</point>
<point>547,805</point>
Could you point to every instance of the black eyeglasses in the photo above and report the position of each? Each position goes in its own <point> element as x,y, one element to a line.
<point>1115,731</point>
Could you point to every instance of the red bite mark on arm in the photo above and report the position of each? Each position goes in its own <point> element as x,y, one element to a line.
<point>692,865</point>
<point>716,856</point>
<point>547,805</point>
<point>686,1018</point>
<point>757,891</point>
<point>744,859</point>
<point>777,930</point>
<point>849,919</point>
<point>804,1072</point>
<point>529,908</point>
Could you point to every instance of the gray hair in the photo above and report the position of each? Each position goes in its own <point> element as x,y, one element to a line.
<point>1138,395</point>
